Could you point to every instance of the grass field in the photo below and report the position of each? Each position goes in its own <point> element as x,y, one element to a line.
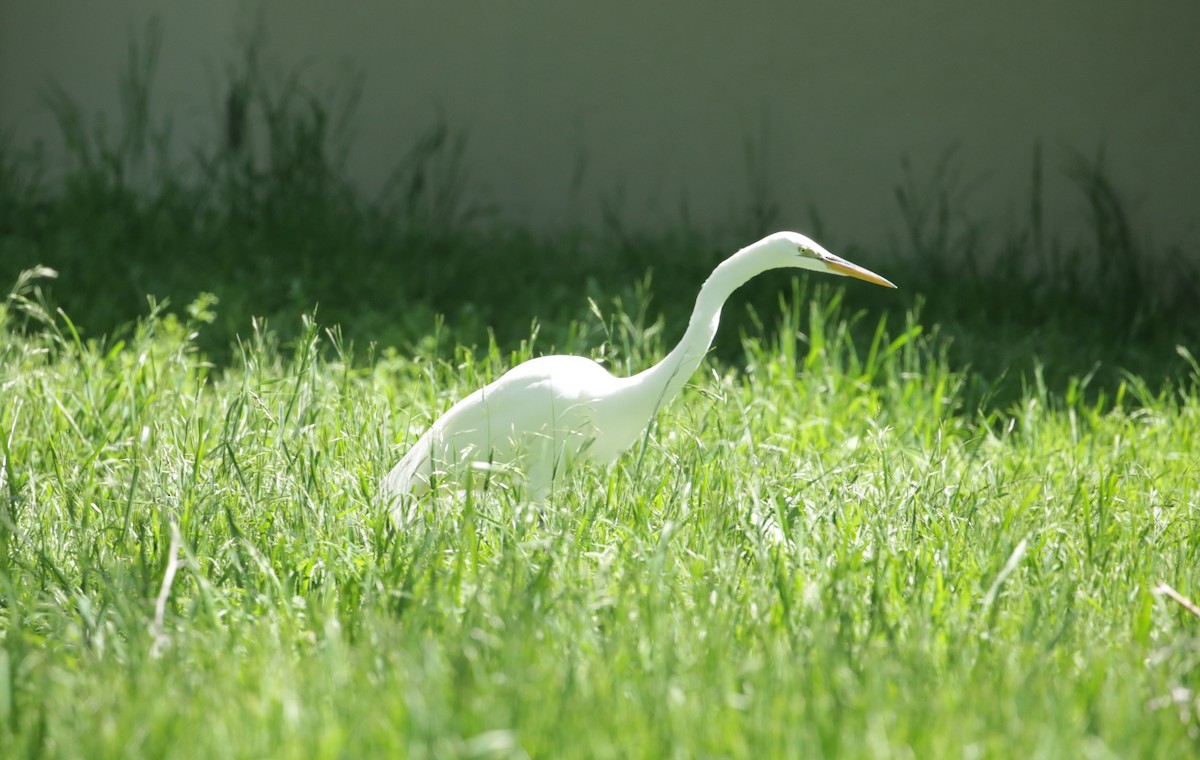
<point>943,521</point>
<point>821,553</point>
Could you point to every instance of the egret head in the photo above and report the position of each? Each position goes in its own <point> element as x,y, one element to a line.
<point>791,249</point>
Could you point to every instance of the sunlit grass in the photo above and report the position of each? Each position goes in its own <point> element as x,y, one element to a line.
<point>823,552</point>
<point>917,523</point>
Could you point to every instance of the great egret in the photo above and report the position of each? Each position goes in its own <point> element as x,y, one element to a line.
<point>549,413</point>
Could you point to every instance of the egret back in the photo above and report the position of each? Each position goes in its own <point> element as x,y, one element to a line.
<point>535,421</point>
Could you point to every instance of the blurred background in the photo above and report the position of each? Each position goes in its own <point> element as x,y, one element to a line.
<point>1006,163</point>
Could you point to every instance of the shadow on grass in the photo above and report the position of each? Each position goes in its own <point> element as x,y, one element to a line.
<point>270,227</point>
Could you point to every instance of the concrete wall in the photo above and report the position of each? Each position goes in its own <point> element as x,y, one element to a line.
<point>651,105</point>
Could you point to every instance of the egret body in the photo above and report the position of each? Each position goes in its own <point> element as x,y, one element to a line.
<point>549,413</point>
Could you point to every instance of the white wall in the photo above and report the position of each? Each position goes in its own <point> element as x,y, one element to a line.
<point>655,101</point>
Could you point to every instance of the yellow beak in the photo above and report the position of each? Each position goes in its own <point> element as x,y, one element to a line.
<point>841,266</point>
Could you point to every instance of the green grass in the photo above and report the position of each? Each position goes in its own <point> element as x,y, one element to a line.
<point>824,552</point>
<point>917,523</point>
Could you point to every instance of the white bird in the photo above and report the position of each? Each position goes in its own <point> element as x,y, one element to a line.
<point>550,413</point>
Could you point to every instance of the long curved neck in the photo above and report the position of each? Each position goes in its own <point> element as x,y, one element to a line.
<point>659,384</point>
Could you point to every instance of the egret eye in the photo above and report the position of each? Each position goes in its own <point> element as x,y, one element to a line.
<point>806,252</point>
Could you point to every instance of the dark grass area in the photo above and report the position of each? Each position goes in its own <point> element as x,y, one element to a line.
<point>276,229</point>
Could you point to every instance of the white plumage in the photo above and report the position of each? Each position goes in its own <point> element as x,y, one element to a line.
<point>548,414</point>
